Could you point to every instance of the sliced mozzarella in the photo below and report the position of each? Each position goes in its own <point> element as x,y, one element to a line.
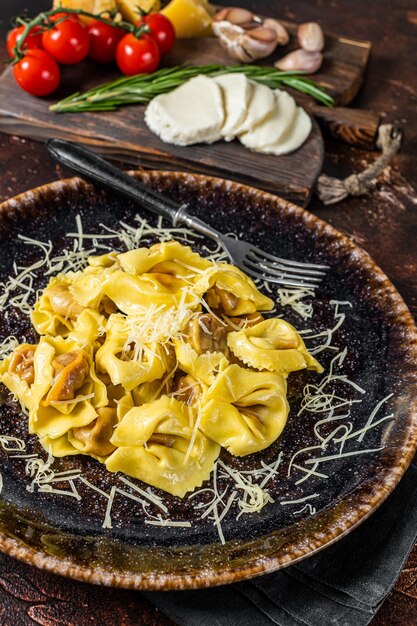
<point>259,106</point>
<point>295,136</point>
<point>192,113</point>
<point>237,91</point>
<point>274,126</point>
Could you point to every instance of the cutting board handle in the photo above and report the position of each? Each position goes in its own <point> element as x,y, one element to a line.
<point>356,127</point>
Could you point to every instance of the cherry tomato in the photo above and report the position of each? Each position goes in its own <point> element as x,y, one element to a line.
<point>37,72</point>
<point>162,31</point>
<point>137,55</point>
<point>32,40</point>
<point>103,41</point>
<point>67,42</point>
<point>62,15</point>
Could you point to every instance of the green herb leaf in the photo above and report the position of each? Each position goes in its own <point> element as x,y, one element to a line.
<point>141,88</point>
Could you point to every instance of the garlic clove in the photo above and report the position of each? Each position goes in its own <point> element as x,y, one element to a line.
<point>234,15</point>
<point>267,35</point>
<point>282,33</point>
<point>310,37</point>
<point>300,60</point>
<point>259,42</point>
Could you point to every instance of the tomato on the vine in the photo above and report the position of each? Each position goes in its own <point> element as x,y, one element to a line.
<point>32,40</point>
<point>103,41</point>
<point>63,15</point>
<point>137,55</point>
<point>37,72</point>
<point>67,41</point>
<point>161,31</point>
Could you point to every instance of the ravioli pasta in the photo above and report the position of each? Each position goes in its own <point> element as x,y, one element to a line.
<point>152,361</point>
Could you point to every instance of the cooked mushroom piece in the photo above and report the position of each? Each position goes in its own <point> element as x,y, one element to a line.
<point>244,321</point>
<point>96,436</point>
<point>21,363</point>
<point>207,334</point>
<point>62,301</point>
<point>188,389</point>
<point>162,439</point>
<point>71,369</point>
<point>221,299</point>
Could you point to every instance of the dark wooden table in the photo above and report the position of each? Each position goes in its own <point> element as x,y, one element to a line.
<point>384,223</point>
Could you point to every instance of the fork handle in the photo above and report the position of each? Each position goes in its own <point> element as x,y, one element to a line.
<point>93,167</point>
<point>89,164</point>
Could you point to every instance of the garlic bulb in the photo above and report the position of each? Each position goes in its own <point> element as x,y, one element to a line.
<point>247,37</point>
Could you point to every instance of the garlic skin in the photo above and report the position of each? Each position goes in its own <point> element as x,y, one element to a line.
<point>301,60</point>
<point>247,37</point>
<point>310,37</point>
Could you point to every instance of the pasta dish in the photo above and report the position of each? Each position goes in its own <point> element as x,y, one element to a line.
<point>152,361</point>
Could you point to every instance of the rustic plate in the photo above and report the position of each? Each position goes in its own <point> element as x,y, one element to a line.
<point>351,465</point>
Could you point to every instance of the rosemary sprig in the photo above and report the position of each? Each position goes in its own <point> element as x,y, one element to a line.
<point>141,88</point>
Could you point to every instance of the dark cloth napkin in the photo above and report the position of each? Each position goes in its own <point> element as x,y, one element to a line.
<point>343,585</point>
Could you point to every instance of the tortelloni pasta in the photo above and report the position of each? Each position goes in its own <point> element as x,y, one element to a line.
<point>153,360</point>
<point>245,411</point>
<point>155,442</point>
<point>272,345</point>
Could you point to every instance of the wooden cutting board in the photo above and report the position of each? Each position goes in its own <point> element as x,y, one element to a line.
<point>123,135</point>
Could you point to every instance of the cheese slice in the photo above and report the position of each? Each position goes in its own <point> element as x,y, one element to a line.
<point>237,92</point>
<point>259,106</point>
<point>274,126</point>
<point>191,113</point>
<point>295,136</point>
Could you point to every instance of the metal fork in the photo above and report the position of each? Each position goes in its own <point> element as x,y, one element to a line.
<point>248,257</point>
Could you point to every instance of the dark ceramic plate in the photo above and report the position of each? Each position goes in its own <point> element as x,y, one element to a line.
<point>347,443</point>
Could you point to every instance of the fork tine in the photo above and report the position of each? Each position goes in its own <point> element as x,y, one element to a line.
<point>288,262</point>
<point>288,275</point>
<point>285,268</point>
<point>277,280</point>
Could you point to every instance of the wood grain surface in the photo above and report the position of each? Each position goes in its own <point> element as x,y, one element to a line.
<point>384,223</point>
<point>124,134</point>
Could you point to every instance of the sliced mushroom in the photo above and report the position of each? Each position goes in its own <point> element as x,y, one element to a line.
<point>207,334</point>
<point>162,439</point>
<point>107,306</point>
<point>221,299</point>
<point>21,363</point>
<point>62,301</point>
<point>188,389</point>
<point>244,321</point>
<point>71,370</point>
<point>96,436</point>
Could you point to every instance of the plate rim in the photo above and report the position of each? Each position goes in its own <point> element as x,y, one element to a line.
<point>379,493</point>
